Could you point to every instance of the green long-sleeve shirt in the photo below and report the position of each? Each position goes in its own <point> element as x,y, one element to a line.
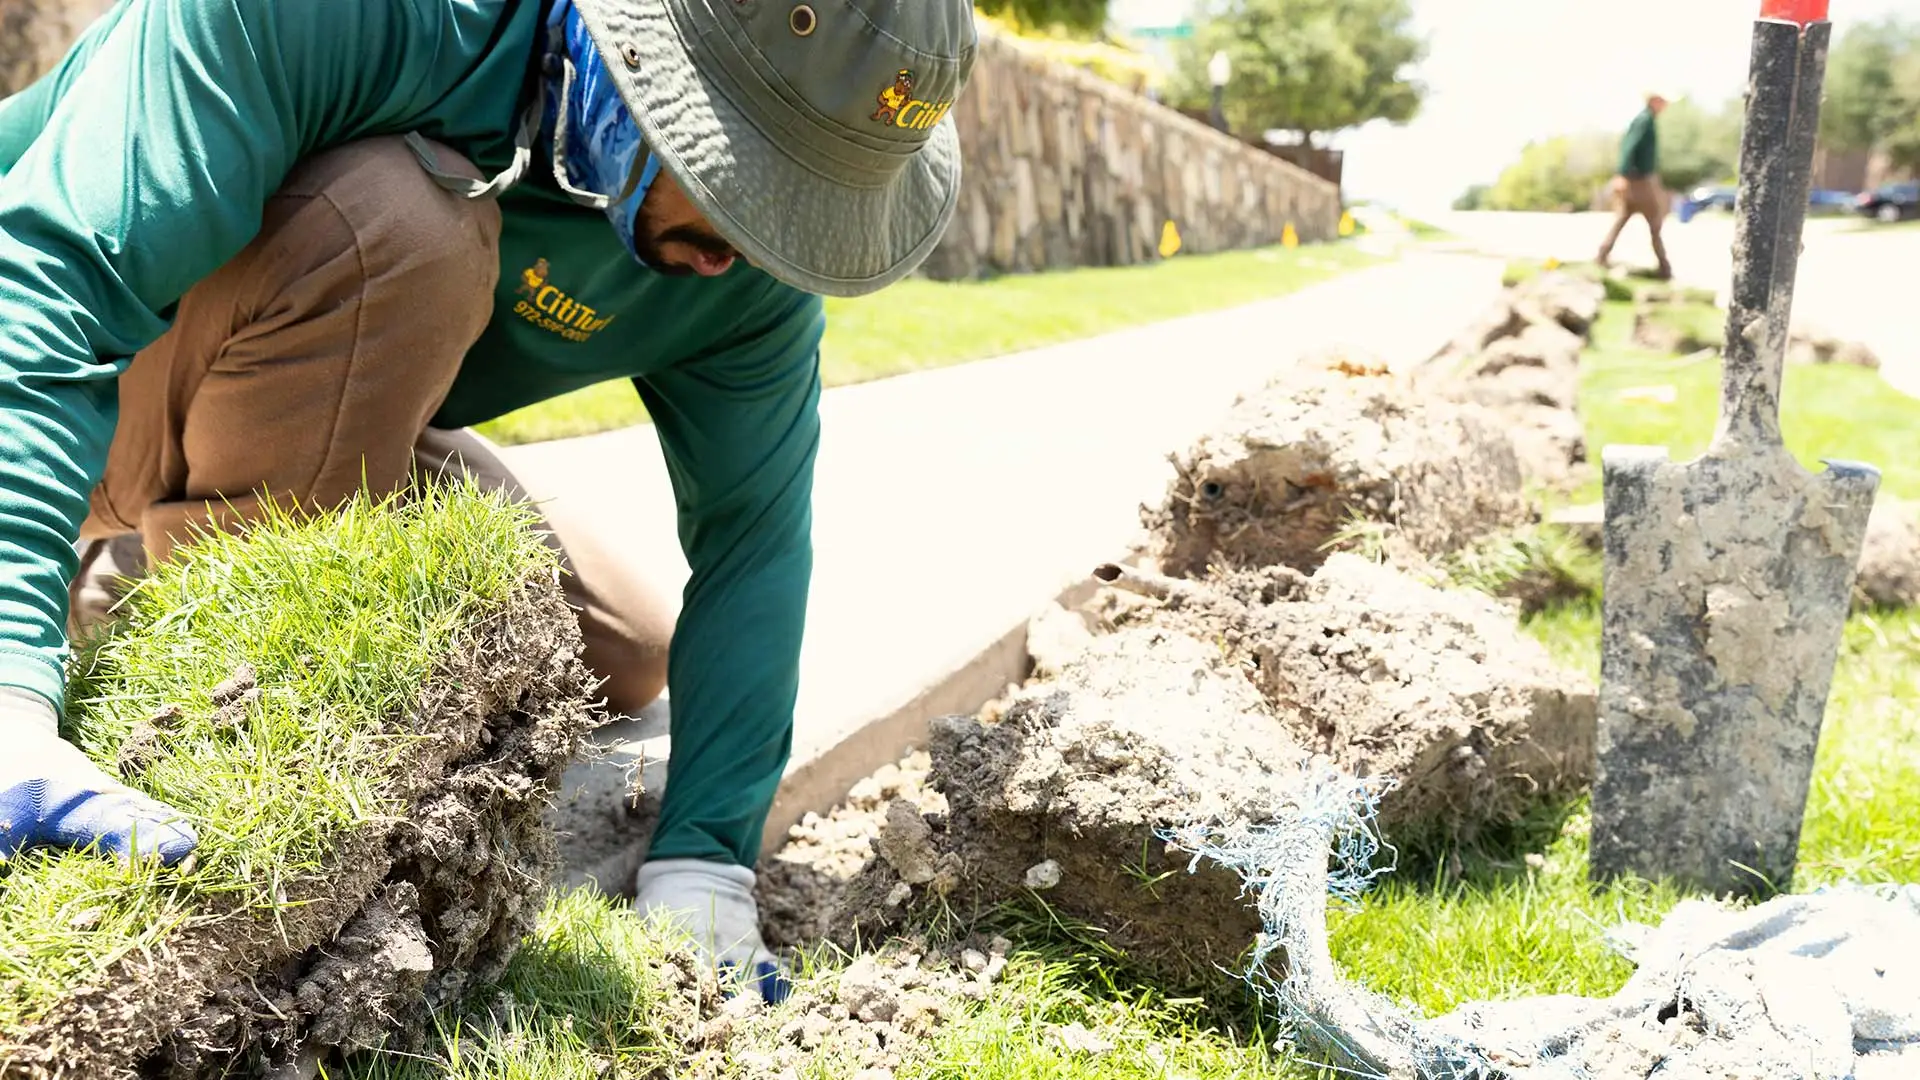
<point>1640,147</point>
<point>143,163</point>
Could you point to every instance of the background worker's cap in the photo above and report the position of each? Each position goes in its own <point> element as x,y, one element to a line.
<point>769,115</point>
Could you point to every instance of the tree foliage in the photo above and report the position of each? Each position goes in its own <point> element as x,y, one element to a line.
<point>1474,198</point>
<point>1308,66</point>
<point>1085,17</point>
<point>1699,145</point>
<point>1561,173</point>
<point>1873,90</point>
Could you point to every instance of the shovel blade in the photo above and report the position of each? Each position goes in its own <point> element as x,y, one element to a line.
<point>1728,581</point>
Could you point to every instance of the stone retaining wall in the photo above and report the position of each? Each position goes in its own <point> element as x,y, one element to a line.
<point>1062,168</point>
<point>1066,169</point>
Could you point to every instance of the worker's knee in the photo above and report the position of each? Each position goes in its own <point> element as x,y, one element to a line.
<point>370,209</point>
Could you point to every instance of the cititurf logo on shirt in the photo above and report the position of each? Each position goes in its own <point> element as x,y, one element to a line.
<point>548,307</point>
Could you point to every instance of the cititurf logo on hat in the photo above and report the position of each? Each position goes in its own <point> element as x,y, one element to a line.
<point>833,182</point>
<point>900,108</point>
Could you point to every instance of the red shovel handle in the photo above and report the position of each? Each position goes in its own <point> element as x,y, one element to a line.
<point>1800,12</point>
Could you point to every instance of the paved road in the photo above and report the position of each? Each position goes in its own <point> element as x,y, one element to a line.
<point>1853,282</point>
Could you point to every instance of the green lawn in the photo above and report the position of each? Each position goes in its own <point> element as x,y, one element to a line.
<point>1826,410</point>
<point>920,324</point>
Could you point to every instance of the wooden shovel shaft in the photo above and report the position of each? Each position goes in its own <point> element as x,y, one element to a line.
<point>1776,171</point>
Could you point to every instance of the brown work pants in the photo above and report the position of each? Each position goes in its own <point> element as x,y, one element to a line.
<point>1643,197</point>
<point>310,365</point>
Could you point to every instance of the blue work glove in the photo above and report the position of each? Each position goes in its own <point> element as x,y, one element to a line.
<point>713,902</point>
<point>52,794</point>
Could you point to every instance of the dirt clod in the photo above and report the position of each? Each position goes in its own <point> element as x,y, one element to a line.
<point>1292,467</point>
<point>904,842</point>
<point>244,680</point>
<point>1208,707</point>
<point>806,881</point>
<point>1521,360</point>
<point>878,1015</point>
<point>1889,571</point>
<point>1815,348</point>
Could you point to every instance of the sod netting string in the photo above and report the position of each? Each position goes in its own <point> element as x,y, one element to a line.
<point>1820,984</point>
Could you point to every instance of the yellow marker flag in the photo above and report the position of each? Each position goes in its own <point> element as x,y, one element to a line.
<point>1551,264</point>
<point>1169,241</point>
<point>1289,238</point>
<point>1346,223</point>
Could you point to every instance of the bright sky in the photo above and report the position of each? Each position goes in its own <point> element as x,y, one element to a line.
<point>1501,72</point>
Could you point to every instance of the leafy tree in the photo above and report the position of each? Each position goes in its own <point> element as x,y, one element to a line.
<point>1561,173</point>
<point>1902,139</point>
<point>1308,66</point>
<point>1084,17</point>
<point>1474,198</point>
<point>1873,91</point>
<point>1699,146</point>
<point>1860,85</point>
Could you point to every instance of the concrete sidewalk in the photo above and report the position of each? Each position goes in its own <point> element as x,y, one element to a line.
<point>950,505</point>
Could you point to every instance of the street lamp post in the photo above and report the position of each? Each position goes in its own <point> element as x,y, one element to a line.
<point>1218,69</point>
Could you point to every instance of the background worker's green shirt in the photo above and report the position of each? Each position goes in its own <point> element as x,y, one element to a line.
<point>143,163</point>
<point>1640,147</point>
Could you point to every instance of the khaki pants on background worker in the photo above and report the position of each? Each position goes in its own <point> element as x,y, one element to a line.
<point>312,362</point>
<point>1644,197</point>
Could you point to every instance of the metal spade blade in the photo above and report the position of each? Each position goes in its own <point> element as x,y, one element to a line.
<point>1727,578</point>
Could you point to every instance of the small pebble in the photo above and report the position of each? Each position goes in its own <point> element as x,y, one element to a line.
<point>1075,1038</point>
<point>1043,876</point>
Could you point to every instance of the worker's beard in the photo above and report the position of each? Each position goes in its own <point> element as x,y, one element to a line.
<point>649,238</point>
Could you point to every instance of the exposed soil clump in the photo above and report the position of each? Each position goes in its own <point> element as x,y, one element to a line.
<point>873,1018</point>
<point>1294,466</point>
<point>803,885</point>
<point>1889,574</point>
<point>1521,359</point>
<point>414,911</point>
<point>1813,348</point>
<point>1205,703</point>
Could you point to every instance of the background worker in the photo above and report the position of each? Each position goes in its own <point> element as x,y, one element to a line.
<point>1636,186</point>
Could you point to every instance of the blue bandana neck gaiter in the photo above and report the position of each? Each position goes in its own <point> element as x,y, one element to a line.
<point>599,157</point>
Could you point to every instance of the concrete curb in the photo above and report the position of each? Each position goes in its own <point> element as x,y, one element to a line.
<point>600,787</point>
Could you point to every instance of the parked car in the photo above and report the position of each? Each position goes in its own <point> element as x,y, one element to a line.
<point>1723,197</point>
<point>1890,202</point>
<point>1711,197</point>
<point>1828,201</point>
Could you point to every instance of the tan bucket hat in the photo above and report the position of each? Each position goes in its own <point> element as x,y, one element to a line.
<point>815,135</point>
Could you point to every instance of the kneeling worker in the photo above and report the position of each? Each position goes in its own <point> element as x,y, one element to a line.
<point>285,247</point>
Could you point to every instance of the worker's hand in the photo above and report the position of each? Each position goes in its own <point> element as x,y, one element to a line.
<point>52,794</point>
<point>1618,187</point>
<point>714,903</point>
